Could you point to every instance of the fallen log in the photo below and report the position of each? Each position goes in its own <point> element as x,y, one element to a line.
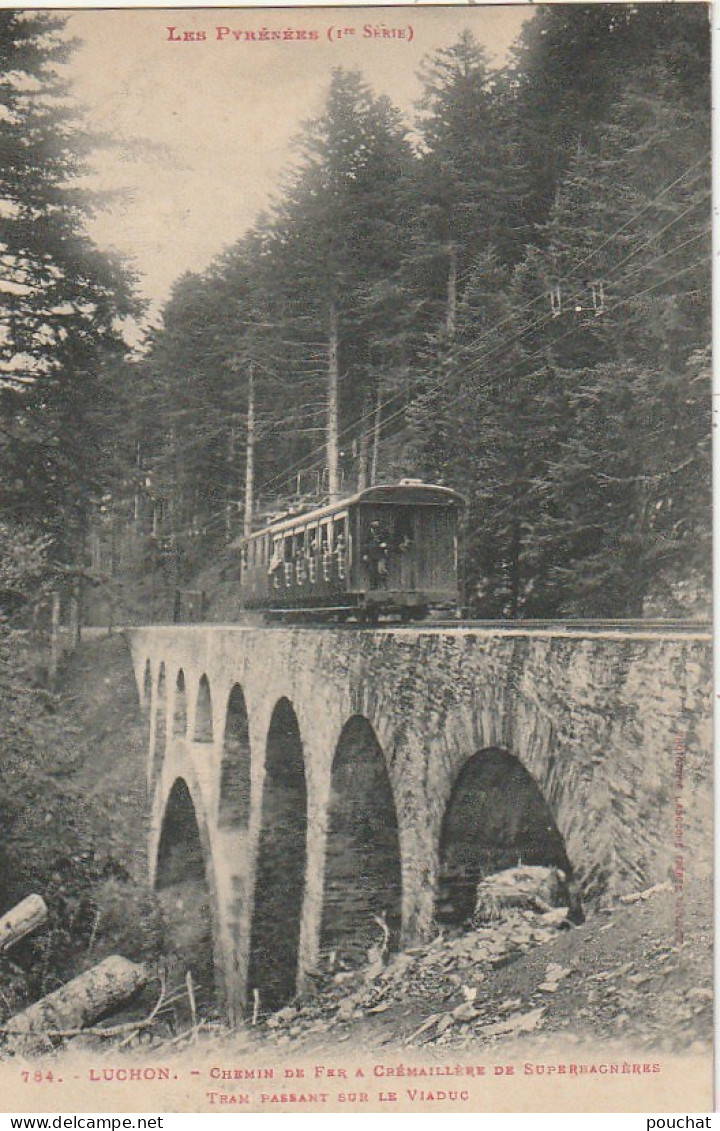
<point>639,896</point>
<point>77,1004</point>
<point>25,917</point>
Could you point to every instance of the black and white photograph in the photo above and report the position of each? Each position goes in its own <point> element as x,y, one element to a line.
<point>355,559</point>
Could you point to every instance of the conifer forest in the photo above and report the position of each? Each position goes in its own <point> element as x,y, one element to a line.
<point>434,774</point>
<point>507,292</point>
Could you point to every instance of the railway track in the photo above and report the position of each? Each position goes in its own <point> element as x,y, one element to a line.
<point>310,621</point>
<point>629,626</point>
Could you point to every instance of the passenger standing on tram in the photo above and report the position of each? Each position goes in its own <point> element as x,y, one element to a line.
<point>340,554</point>
<point>275,565</point>
<point>276,560</point>
<point>376,557</point>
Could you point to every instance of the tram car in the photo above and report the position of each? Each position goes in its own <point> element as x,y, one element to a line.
<point>389,550</point>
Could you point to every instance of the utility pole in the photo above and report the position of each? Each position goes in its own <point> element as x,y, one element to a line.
<point>332,424</point>
<point>250,454</point>
<point>230,489</point>
<point>362,450</point>
<point>376,434</point>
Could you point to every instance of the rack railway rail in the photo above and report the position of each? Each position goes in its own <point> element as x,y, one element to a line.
<point>629,627</point>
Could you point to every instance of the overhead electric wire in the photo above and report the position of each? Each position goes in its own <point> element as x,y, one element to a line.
<point>539,351</point>
<point>572,297</point>
<point>216,518</point>
<point>302,463</point>
<point>610,309</point>
<point>463,370</point>
<point>606,242</point>
<point>369,416</point>
<point>546,320</point>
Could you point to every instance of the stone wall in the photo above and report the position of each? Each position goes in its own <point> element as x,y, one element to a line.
<point>598,720</point>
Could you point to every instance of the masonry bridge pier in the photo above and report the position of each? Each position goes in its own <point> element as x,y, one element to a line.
<point>317,782</point>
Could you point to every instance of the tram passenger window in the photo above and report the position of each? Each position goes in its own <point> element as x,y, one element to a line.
<point>288,549</point>
<point>324,537</point>
<point>312,541</point>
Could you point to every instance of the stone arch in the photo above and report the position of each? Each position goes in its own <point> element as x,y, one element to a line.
<point>181,882</point>
<point>160,720</point>
<point>234,800</point>
<point>363,872</point>
<point>281,865</point>
<point>495,818</point>
<point>204,712</point>
<point>180,713</point>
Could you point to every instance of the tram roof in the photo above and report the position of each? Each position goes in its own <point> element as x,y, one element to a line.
<point>414,493</point>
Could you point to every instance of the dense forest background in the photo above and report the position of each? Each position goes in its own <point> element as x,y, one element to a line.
<point>509,294</point>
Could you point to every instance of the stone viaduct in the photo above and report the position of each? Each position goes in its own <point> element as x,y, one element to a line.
<point>309,764</point>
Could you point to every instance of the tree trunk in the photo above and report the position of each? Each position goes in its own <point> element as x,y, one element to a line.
<point>95,552</point>
<point>74,620</point>
<point>54,637</point>
<point>111,607</point>
<point>333,407</point>
<point>250,455</point>
<point>76,612</point>
<point>138,473</point>
<point>25,917</point>
<point>451,313</point>
<point>79,1003</point>
<point>515,568</point>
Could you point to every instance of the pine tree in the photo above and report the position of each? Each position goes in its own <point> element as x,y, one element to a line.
<point>578,427</point>
<point>61,297</point>
<point>217,330</point>
<point>627,247</point>
<point>567,67</point>
<point>336,241</point>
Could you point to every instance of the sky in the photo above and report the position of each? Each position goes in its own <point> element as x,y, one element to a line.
<point>204,128</point>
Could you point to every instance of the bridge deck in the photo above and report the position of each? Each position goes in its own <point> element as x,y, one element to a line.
<point>610,630</point>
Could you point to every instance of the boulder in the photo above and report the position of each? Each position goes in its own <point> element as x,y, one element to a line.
<point>528,888</point>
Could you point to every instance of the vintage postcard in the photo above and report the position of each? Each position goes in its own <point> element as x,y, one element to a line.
<point>355,559</point>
